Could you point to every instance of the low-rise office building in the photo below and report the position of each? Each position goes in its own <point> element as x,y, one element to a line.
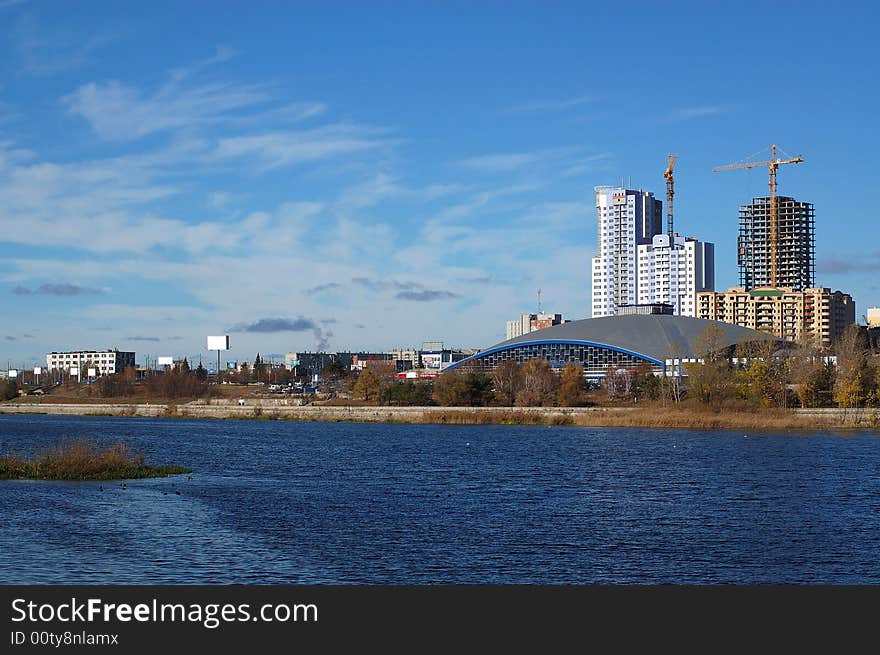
<point>104,362</point>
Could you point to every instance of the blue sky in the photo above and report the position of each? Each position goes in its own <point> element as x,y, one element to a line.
<point>372,175</point>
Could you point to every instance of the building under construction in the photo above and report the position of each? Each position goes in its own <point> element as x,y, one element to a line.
<point>795,244</point>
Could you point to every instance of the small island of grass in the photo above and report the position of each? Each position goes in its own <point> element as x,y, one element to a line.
<point>82,460</point>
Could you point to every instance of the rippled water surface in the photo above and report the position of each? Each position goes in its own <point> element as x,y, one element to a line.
<point>279,502</point>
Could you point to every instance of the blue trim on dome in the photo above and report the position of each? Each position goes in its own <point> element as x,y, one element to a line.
<point>577,342</point>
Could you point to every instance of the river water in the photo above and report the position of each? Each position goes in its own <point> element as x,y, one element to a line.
<point>311,503</point>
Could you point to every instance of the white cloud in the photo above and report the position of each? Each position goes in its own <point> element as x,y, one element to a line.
<point>182,219</point>
<point>285,148</point>
<point>118,112</point>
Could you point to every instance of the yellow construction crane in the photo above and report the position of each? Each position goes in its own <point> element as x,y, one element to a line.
<point>773,163</point>
<point>670,190</point>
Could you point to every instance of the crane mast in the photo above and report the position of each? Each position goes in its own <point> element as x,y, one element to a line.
<point>670,192</point>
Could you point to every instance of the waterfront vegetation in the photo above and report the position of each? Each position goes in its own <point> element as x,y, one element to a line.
<point>752,386</point>
<point>752,377</point>
<point>643,417</point>
<point>83,459</point>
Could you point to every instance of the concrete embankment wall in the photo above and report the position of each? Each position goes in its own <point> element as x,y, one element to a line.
<point>269,410</point>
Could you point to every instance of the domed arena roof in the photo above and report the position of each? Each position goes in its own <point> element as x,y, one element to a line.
<point>652,336</point>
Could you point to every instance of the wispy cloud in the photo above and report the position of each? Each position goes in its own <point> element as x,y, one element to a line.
<point>119,113</point>
<point>591,164</point>
<point>61,289</point>
<point>301,324</point>
<point>221,55</point>
<point>154,339</point>
<point>856,263</point>
<point>46,51</point>
<point>689,113</point>
<point>267,325</point>
<point>502,162</point>
<point>481,279</point>
<point>286,148</point>
<point>293,112</point>
<point>426,295</point>
<point>507,162</point>
<point>381,285</point>
<point>329,286</point>
<point>553,105</point>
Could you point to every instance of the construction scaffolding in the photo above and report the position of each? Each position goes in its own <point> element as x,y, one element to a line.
<point>795,256</point>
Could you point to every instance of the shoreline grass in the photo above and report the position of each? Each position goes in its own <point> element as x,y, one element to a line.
<point>646,415</point>
<point>83,460</point>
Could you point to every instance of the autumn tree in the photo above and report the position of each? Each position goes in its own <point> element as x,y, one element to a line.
<point>117,384</point>
<point>407,393</point>
<point>458,389</point>
<point>386,370</point>
<point>334,371</point>
<point>709,380</point>
<point>539,384</point>
<point>506,380</point>
<point>645,383</point>
<point>450,389</point>
<point>617,382</point>
<point>856,382</point>
<point>368,386</point>
<point>811,375</point>
<point>8,390</point>
<point>176,384</point>
<point>571,386</point>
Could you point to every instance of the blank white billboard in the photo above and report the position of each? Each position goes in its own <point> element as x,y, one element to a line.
<point>13,373</point>
<point>218,343</point>
<point>74,370</point>
<point>38,370</point>
<point>93,373</point>
<point>166,361</point>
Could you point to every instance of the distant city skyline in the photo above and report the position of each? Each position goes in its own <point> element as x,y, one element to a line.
<point>369,177</point>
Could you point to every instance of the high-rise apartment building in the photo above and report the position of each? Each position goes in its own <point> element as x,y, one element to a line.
<point>627,219</point>
<point>672,271</point>
<point>795,244</point>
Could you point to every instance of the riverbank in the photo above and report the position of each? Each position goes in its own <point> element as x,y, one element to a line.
<point>643,416</point>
